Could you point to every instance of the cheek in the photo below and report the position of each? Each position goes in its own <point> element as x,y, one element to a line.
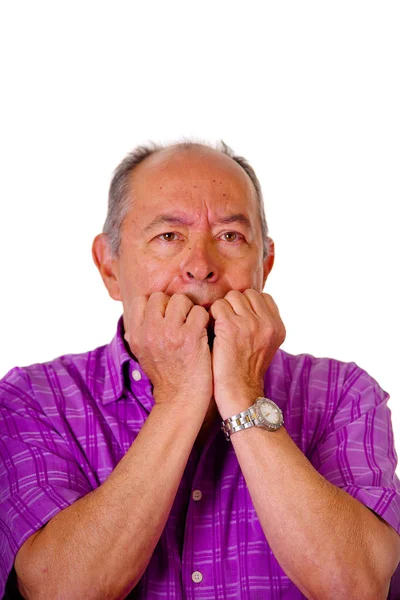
<point>258,276</point>
<point>144,280</point>
<point>246,276</point>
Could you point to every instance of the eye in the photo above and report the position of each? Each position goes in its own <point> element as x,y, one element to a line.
<point>167,236</point>
<point>232,236</point>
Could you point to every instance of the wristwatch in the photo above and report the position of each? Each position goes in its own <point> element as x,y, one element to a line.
<point>263,413</point>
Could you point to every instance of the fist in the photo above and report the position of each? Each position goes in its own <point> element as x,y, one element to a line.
<point>168,335</point>
<point>248,332</point>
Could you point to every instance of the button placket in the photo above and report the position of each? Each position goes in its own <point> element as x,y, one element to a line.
<point>194,548</point>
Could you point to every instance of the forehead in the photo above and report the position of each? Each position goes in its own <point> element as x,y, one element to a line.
<point>195,177</point>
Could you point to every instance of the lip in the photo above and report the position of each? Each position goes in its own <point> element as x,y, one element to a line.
<point>207,306</point>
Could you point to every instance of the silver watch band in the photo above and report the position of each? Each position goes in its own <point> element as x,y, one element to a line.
<point>263,413</point>
<point>243,420</point>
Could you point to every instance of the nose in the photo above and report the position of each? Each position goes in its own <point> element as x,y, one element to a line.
<point>200,264</point>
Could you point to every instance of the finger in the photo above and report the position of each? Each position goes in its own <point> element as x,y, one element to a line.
<point>239,302</point>
<point>274,310</point>
<point>270,302</point>
<point>221,309</point>
<point>177,309</point>
<point>257,301</point>
<point>198,317</point>
<point>156,305</point>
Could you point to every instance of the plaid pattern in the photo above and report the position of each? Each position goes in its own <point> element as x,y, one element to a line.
<point>65,424</point>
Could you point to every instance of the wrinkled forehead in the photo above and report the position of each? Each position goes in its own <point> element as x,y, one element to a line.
<point>190,173</point>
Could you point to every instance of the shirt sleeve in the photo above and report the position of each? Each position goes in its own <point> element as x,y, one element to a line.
<point>356,452</point>
<point>38,475</point>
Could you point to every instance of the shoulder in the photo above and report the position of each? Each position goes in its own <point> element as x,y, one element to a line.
<point>38,372</point>
<point>320,395</point>
<point>328,380</point>
<point>45,383</point>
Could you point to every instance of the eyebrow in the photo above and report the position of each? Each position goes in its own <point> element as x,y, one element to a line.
<point>170,219</point>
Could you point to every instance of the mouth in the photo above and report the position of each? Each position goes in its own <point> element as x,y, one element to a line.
<point>207,306</point>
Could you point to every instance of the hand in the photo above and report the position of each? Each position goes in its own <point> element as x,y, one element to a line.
<point>248,332</point>
<point>168,336</point>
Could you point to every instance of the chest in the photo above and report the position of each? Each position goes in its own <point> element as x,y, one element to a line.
<point>212,545</point>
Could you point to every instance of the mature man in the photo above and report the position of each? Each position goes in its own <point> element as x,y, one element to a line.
<point>117,479</point>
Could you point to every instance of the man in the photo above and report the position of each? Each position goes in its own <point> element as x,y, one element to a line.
<point>117,480</point>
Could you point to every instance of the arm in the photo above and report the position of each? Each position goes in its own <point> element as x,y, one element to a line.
<point>328,543</point>
<point>100,546</point>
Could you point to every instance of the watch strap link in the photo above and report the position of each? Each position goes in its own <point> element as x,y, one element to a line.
<point>243,420</point>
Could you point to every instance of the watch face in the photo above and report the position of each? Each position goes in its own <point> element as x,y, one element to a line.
<point>270,413</point>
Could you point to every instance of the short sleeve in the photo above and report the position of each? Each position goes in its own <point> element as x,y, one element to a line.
<point>356,452</point>
<point>38,475</point>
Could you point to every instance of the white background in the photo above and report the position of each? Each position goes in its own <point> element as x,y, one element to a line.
<point>309,92</point>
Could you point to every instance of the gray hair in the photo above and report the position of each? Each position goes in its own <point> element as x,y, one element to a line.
<point>119,195</point>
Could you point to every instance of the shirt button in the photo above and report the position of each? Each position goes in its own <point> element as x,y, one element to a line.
<point>197,495</point>
<point>137,376</point>
<point>197,577</point>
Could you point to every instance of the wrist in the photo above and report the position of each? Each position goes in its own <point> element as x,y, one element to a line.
<point>188,404</point>
<point>232,403</point>
<point>263,413</point>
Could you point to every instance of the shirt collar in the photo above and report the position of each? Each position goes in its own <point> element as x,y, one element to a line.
<point>119,364</point>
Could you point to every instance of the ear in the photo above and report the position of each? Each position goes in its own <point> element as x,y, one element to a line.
<point>107,264</point>
<point>269,261</point>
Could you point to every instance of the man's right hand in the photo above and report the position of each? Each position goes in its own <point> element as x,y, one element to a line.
<point>100,546</point>
<point>168,336</point>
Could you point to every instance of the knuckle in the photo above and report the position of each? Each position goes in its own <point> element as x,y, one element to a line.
<point>233,293</point>
<point>270,330</point>
<point>199,316</point>
<point>150,339</point>
<point>182,298</point>
<point>253,324</point>
<point>219,302</point>
<point>172,343</point>
<point>199,310</point>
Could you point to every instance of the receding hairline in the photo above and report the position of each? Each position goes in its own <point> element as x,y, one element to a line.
<point>162,157</point>
<point>120,195</point>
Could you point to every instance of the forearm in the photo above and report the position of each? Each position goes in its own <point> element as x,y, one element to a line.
<point>100,546</point>
<point>326,541</point>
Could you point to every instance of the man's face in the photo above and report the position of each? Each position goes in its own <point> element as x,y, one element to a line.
<point>193,228</point>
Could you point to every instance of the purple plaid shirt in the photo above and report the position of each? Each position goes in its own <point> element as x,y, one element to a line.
<point>65,424</point>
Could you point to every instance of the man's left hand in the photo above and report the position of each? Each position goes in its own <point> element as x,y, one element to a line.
<point>248,332</point>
